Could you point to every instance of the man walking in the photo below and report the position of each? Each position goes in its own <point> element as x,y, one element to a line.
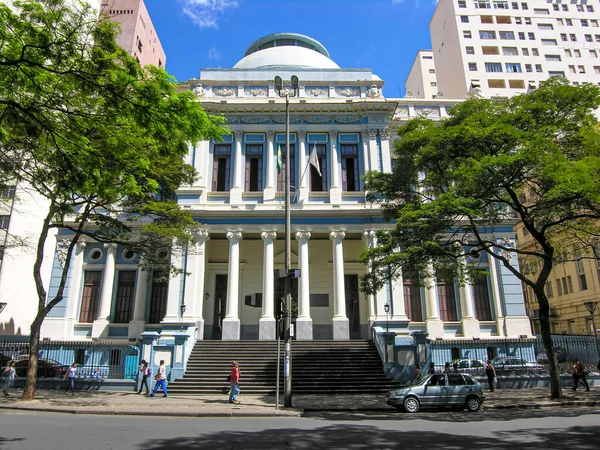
<point>9,377</point>
<point>579,375</point>
<point>234,380</point>
<point>161,379</point>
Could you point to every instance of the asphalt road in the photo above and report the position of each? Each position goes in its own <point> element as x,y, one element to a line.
<point>530,429</point>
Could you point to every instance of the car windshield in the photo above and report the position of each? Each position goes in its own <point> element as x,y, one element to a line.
<point>422,380</point>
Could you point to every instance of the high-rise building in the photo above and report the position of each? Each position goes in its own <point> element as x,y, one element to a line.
<point>501,48</point>
<point>138,35</point>
<point>422,80</point>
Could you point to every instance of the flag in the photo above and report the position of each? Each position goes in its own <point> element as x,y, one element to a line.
<point>314,161</point>
<point>279,163</point>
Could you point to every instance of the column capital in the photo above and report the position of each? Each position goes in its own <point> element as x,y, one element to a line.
<point>301,135</point>
<point>234,234</point>
<point>110,246</point>
<point>239,135</point>
<point>337,234</point>
<point>372,133</point>
<point>333,134</point>
<point>270,134</point>
<point>268,234</point>
<point>200,234</point>
<point>365,134</point>
<point>369,234</point>
<point>81,245</point>
<point>385,133</point>
<point>302,234</point>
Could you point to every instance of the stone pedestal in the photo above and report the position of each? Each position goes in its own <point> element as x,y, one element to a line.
<point>435,328</point>
<point>304,329</point>
<point>231,329</point>
<point>267,328</point>
<point>470,328</point>
<point>341,328</point>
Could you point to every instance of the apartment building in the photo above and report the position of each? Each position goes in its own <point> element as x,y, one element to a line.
<point>501,48</point>
<point>422,80</point>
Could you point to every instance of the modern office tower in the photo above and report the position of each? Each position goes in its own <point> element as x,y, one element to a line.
<point>501,48</point>
<point>138,35</point>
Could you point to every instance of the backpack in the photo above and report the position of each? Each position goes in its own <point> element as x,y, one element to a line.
<point>149,370</point>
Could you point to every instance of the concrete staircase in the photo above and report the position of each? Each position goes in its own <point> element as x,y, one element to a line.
<point>318,367</point>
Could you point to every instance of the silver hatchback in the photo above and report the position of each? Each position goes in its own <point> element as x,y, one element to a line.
<point>444,389</point>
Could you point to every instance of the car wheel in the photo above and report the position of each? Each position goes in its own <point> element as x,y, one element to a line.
<point>411,405</point>
<point>473,404</point>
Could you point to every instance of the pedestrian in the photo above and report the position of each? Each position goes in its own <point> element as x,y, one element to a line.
<point>490,372</point>
<point>579,375</point>
<point>95,373</point>
<point>145,370</point>
<point>70,375</point>
<point>447,368</point>
<point>234,381</point>
<point>9,377</point>
<point>455,367</point>
<point>431,370</point>
<point>161,379</point>
<point>417,373</point>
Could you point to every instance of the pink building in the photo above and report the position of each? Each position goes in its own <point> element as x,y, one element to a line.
<point>138,35</point>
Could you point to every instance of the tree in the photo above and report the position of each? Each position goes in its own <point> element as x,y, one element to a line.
<point>532,158</point>
<point>100,139</point>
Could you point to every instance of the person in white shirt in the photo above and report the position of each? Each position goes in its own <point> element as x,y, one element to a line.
<point>161,379</point>
<point>70,375</point>
<point>9,377</point>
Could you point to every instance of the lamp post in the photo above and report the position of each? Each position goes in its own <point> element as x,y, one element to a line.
<point>182,310</point>
<point>387,316</point>
<point>287,367</point>
<point>591,307</point>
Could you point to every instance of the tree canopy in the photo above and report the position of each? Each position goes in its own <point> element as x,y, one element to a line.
<point>102,140</point>
<point>533,158</point>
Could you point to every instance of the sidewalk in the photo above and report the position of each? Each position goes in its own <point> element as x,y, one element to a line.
<point>128,403</point>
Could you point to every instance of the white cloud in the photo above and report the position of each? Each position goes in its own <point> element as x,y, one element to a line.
<point>206,13</point>
<point>214,54</point>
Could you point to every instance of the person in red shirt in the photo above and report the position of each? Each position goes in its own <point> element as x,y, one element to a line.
<point>234,380</point>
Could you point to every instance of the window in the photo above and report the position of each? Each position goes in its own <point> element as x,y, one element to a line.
<point>571,68</point>
<point>555,7</point>
<point>543,12</point>
<point>493,67</point>
<point>470,50</point>
<point>254,167</point>
<point>534,52</point>
<point>570,283</point>
<point>597,37</point>
<point>555,58</point>
<point>462,4</point>
<point>525,51</point>
<point>125,296</point>
<point>487,19</point>
<point>8,193</point>
<point>472,67</point>
<point>581,69</point>
<point>455,379</point>
<point>538,68</point>
<point>500,5</point>
<point>531,36</point>
<point>597,70</point>
<point>565,7</point>
<point>518,20</point>
<point>524,6</point>
<point>584,23</point>
<point>527,20</point>
<point>90,296</point>
<point>490,50</point>
<point>487,34</point>
<point>139,45</point>
<point>427,57</point>
<point>588,37</point>
<point>549,42</point>
<point>545,26</point>
<point>507,35</point>
<point>589,8</point>
<point>569,22</point>
<point>579,8</point>
<point>464,19</point>
<point>568,53</point>
<point>560,22</point>
<point>158,296</point>
<point>221,167</point>
<point>433,83</point>
<point>481,298</point>
<point>577,53</point>
<point>431,70</point>
<point>350,174</point>
<point>549,292</point>
<point>503,19</point>
<point>593,54</point>
<point>563,37</point>
<point>467,34</point>
<point>556,73</point>
<point>528,68</point>
<point>281,174</point>
<point>521,36</point>
<point>573,37</point>
<point>515,5</point>
<point>4,220</point>
<point>412,297</point>
<point>482,4</point>
<point>318,183</point>
<point>446,297</point>
<point>559,287</point>
<point>513,67</point>
<point>594,23</point>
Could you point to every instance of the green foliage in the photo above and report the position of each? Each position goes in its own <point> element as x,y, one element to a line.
<point>533,158</point>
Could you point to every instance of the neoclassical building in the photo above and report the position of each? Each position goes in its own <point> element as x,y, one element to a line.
<point>231,293</point>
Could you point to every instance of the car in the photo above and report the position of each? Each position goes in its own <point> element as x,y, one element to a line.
<point>47,368</point>
<point>509,364</point>
<point>561,355</point>
<point>459,390</point>
<point>468,365</point>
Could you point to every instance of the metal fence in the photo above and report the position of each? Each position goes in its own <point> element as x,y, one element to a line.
<point>568,348</point>
<point>96,359</point>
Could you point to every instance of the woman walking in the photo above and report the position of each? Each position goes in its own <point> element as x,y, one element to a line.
<point>234,380</point>
<point>490,372</point>
<point>71,376</point>
<point>145,371</point>
<point>9,377</point>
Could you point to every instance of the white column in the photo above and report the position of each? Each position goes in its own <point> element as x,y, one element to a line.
<point>194,286</point>
<point>470,325</point>
<point>304,323</point>
<point>341,325</point>
<point>267,325</point>
<point>370,238</point>
<point>74,291</point>
<point>174,292</point>
<point>302,168</point>
<point>231,322</point>
<point>100,325</point>
<point>496,296</point>
<point>373,150</point>
<point>434,325</point>
<point>335,189</point>
<point>365,153</point>
<point>398,306</point>
<point>386,157</point>
<point>235,194</point>
<point>136,326</point>
<point>271,181</point>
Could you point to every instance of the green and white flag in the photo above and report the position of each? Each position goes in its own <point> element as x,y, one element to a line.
<point>279,162</point>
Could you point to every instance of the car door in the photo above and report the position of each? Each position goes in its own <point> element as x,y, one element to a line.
<point>457,389</point>
<point>436,391</point>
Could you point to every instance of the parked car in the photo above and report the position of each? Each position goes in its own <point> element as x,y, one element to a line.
<point>561,355</point>
<point>450,389</point>
<point>47,368</point>
<point>509,364</point>
<point>469,365</point>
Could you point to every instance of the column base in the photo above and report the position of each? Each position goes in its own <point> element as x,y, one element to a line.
<point>269,194</point>
<point>136,328</point>
<point>100,329</point>
<point>517,326</point>
<point>435,328</point>
<point>335,196</point>
<point>231,329</point>
<point>267,329</point>
<point>500,326</point>
<point>341,329</point>
<point>235,196</point>
<point>302,195</point>
<point>304,329</point>
<point>470,327</point>
<point>199,329</point>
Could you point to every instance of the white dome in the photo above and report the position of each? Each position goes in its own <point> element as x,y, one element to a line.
<point>286,56</point>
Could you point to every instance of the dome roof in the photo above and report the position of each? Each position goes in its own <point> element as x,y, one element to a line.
<point>286,49</point>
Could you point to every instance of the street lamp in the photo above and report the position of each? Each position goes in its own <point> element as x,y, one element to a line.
<point>287,367</point>
<point>387,316</point>
<point>591,307</point>
<point>182,310</point>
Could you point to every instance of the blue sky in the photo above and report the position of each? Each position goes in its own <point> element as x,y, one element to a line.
<point>383,35</point>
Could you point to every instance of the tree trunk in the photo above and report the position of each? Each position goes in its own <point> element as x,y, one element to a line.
<point>555,389</point>
<point>34,343</point>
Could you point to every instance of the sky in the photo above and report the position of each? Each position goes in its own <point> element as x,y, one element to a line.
<point>383,35</point>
